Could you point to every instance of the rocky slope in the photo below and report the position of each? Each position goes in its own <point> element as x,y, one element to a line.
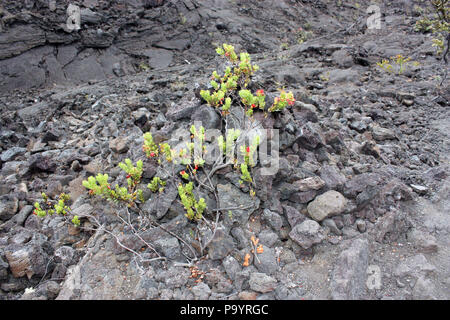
<point>357,210</point>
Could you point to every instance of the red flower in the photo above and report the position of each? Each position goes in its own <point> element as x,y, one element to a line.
<point>260,92</point>
<point>109,187</point>
<point>152,154</point>
<point>34,212</point>
<point>183,172</point>
<point>248,149</point>
<point>196,167</point>
<point>128,176</point>
<point>253,106</point>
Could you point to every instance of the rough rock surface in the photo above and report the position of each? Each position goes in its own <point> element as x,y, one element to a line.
<point>328,204</point>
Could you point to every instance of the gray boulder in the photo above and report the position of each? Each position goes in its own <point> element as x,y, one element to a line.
<point>261,282</point>
<point>328,204</point>
<point>307,233</point>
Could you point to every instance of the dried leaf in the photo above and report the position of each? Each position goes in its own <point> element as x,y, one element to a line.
<point>260,249</point>
<point>246,260</point>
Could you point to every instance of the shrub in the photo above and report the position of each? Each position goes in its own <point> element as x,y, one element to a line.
<point>439,26</point>
<point>194,208</point>
<point>232,86</point>
<point>396,64</point>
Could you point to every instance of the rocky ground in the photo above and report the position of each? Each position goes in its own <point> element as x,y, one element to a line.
<point>359,208</point>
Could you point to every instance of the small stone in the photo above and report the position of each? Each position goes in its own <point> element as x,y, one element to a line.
<point>303,197</point>
<point>183,109</point>
<point>408,102</point>
<point>65,255</point>
<point>85,210</point>
<point>26,260</point>
<point>381,134</point>
<point>419,189</point>
<point>268,237</point>
<point>169,246</point>
<point>273,219</point>
<point>293,215</point>
<point>328,204</point>
<point>332,226</point>
<point>424,290</point>
<point>39,162</point>
<point>119,145</point>
<point>50,136</point>
<point>8,207</point>
<point>361,225</point>
<point>416,266</point>
<point>266,262</point>
<point>220,246</point>
<point>230,196</point>
<point>333,179</point>
<point>307,233</point>
<point>400,284</point>
<point>49,289</point>
<point>261,282</point>
<point>247,295</point>
<point>311,136</point>
<point>201,291</point>
<point>75,166</point>
<point>231,266</point>
<point>311,183</point>
<point>12,153</point>
<point>371,149</point>
<point>208,117</point>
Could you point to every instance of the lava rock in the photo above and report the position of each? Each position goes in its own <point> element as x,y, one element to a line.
<point>348,280</point>
<point>231,266</point>
<point>119,145</point>
<point>293,215</point>
<point>8,207</point>
<point>303,197</point>
<point>29,260</point>
<point>328,204</point>
<point>208,116</point>
<point>12,153</point>
<point>311,136</point>
<point>261,282</point>
<point>169,246</point>
<point>273,219</point>
<point>267,261</point>
<point>41,163</point>
<point>201,291</point>
<point>307,234</point>
<point>221,245</point>
<point>330,224</point>
<point>183,109</point>
<point>381,134</point>
<point>333,179</point>
<point>230,196</point>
